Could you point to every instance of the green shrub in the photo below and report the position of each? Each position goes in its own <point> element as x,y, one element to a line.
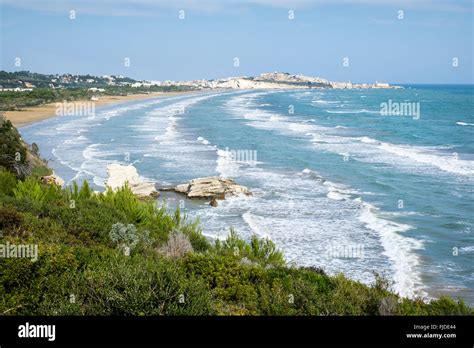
<point>124,200</point>
<point>265,252</point>
<point>48,231</point>
<point>12,149</point>
<point>76,194</point>
<point>194,233</point>
<point>442,306</point>
<point>89,220</point>
<point>10,222</point>
<point>114,284</point>
<point>25,285</point>
<point>262,251</point>
<point>32,189</point>
<point>7,182</point>
<point>230,282</point>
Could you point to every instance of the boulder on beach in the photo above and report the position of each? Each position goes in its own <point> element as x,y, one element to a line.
<point>212,187</point>
<point>118,175</point>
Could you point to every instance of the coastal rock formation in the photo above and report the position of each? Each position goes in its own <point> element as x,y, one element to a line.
<point>52,179</point>
<point>273,80</point>
<point>212,187</point>
<point>118,175</point>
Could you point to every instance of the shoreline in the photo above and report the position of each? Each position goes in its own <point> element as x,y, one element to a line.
<point>31,115</point>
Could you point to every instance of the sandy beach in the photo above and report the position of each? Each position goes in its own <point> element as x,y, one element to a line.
<point>42,112</point>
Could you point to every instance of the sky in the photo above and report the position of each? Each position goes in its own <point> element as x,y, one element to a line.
<point>396,41</point>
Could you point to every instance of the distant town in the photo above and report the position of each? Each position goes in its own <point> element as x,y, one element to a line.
<point>24,81</point>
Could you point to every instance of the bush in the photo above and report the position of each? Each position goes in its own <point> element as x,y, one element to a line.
<point>89,221</point>
<point>31,189</point>
<point>10,222</point>
<point>124,200</point>
<point>193,232</point>
<point>35,149</point>
<point>262,251</point>
<point>26,286</point>
<point>177,246</point>
<point>265,252</point>
<point>113,284</point>
<point>76,194</point>
<point>124,235</point>
<point>442,306</point>
<point>7,183</point>
<point>12,149</point>
<point>231,283</point>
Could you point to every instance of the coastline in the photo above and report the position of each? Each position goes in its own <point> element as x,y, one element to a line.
<point>35,114</point>
<point>334,252</point>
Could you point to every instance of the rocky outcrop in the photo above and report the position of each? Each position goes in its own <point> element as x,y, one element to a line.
<point>212,188</point>
<point>52,179</point>
<point>118,175</point>
<point>273,80</point>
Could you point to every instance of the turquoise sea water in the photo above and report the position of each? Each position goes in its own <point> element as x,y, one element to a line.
<point>335,183</point>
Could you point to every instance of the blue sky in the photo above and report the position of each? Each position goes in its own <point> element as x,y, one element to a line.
<point>420,48</point>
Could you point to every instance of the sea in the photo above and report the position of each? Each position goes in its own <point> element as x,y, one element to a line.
<point>362,182</point>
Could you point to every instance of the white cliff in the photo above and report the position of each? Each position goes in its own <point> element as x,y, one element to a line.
<point>274,80</point>
<point>118,175</point>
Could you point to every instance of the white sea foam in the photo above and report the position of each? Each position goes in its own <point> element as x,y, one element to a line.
<point>339,191</point>
<point>257,225</point>
<point>404,157</point>
<point>368,140</point>
<point>360,111</point>
<point>95,163</point>
<point>449,163</point>
<point>464,124</point>
<point>74,141</point>
<point>203,141</point>
<point>325,101</point>
<point>467,249</point>
<point>400,249</point>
